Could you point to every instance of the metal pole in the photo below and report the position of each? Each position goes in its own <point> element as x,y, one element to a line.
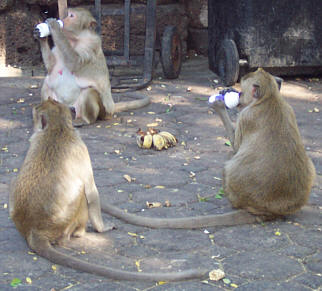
<point>62,8</point>
<point>98,13</point>
<point>127,15</point>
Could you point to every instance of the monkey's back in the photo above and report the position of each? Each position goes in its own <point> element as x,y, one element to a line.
<point>44,199</point>
<point>270,171</point>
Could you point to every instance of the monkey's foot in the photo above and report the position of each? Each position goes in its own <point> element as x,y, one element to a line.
<point>78,122</point>
<point>108,226</point>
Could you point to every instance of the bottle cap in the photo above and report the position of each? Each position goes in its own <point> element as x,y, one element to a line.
<point>231,99</point>
<point>43,29</point>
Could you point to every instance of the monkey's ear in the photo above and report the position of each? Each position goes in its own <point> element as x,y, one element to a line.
<point>256,91</point>
<point>43,120</point>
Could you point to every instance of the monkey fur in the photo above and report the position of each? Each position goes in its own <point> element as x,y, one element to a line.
<point>55,194</point>
<point>269,175</point>
<point>77,72</point>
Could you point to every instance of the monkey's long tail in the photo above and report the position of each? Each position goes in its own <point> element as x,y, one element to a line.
<point>227,219</point>
<point>46,250</point>
<point>131,105</point>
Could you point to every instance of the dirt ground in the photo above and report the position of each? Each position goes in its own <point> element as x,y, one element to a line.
<point>279,255</point>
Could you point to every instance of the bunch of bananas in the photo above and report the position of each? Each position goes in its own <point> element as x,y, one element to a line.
<point>153,138</point>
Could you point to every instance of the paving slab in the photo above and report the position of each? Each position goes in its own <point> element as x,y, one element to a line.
<point>280,255</point>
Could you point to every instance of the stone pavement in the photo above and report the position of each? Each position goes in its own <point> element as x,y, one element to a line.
<point>280,255</point>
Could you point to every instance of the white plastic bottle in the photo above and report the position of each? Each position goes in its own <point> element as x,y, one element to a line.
<point>44,29</point>
<point>231,99</point>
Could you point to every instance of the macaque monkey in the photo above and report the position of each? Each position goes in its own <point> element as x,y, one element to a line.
<point>269,175</point>
<point>55,194</point>
<point>77,72</point>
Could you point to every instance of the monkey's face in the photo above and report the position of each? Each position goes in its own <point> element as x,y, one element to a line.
<point>71,20</point>
<point>50,112</point>
<point>258,85</point>
<point>79,19</point>
<point>246,96</point>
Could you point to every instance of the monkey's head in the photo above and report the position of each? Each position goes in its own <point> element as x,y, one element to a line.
<point>51,113</point>
<point>258,85</point>
<point>79,19</point>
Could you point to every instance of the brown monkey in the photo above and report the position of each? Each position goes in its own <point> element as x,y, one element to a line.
<point>269,175</point>
<point>55,193</point>
<point>77,72</point>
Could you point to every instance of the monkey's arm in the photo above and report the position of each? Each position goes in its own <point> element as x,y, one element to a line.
<point>220,108</point>
<point>72,59</point>
<point>46,53</point>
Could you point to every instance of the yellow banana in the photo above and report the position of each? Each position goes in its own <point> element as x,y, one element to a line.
<point>169,138</point>
<point>147,142</point>
<point>158,142</point>
<point>139,140</point>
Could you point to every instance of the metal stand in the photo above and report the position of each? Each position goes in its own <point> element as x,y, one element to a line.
<point>123,58</point>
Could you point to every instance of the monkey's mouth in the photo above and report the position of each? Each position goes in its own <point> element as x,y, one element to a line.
<point>73,112</point>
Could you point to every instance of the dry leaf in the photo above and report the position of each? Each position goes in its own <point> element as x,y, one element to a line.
<point>54,268</point>
<point>28,280</point>
<point>216,275</point>
<point>137,263</point>
<point>151,112</point>
<point>5,206</point>
<point>167,203</point>
<point>117,152</point>
<point>154,124</point>
<point>316,110</point>
<point>153,204</point>
<point>127,178</point>
<point>197,158</point>
<point>159,187</point>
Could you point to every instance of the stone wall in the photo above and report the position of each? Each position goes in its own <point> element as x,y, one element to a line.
<point>18,19</point>
<point>197,12</point>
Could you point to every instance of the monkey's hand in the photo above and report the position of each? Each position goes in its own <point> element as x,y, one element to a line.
<point>36,34</point>
<point>217,104</point>
<point>53,24</point>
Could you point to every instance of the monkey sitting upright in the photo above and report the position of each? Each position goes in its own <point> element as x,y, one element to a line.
<point>77,72</point>
<point>269,175</point>
<point>55,194</point>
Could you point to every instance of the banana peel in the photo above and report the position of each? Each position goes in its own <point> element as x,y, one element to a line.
<point>153,138</point>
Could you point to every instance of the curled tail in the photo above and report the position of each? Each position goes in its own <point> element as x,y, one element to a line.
<point>227,219</point>
<point>131,105</point>
<point>46,250</point>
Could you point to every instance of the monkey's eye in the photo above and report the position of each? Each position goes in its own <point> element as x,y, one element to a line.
<point>71,15</point>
